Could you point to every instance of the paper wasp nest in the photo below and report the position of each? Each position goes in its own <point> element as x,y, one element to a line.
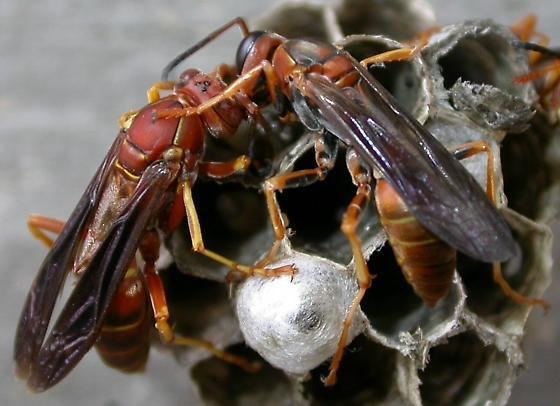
<point>467,350</point>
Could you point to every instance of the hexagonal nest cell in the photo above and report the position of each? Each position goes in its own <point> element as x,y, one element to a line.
<point>465,350</point>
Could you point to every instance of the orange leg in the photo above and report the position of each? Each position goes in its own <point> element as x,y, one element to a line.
<point>224,72</point>
<point>394,55</point>
<point>221,170</point>
<point>227,73</point>
<point>125,120</point>
<point>326,148</point>
<point>213,170</point>
<point>553,80</point>
<point>402,54</point>
<point>538,73</point>
<point>325,155</point>
<point>468,150</point>
<point>243,84</point>
<point>362,179</point>
<point>153,95</point>
<point>422,38</point>
<point>549,91</point>
<point>38,225</point>
<point>149,249</point>
<point>555,96</point>
<point>198,243</point>
<point>279,183</point>
<point>472,148</point>
<point>525,30</point>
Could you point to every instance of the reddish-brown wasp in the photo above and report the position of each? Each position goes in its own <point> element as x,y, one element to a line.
<point>430,205</point>
<point>143,184</point>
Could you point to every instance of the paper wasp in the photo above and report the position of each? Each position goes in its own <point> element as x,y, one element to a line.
<point>430,205</point>
<point>144,184</point>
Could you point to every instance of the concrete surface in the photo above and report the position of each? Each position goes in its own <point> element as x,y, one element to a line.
<point>67,71</point>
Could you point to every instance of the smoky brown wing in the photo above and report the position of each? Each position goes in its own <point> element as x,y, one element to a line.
<point>81,318</point>
<point>46,286</point>
<point>436,187</point>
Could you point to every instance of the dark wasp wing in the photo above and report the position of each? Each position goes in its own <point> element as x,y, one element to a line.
<point>436,187</point>
<point>46,287</point>
<point>78,326</point>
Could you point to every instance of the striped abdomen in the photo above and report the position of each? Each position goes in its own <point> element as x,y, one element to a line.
<point>124,340</point>
<point>427,262</point>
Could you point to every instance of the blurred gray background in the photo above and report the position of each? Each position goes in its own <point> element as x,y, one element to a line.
<point>67,71</point>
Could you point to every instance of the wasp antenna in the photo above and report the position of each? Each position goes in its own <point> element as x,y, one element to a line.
<point>210,37</point>
<point>530,46</point>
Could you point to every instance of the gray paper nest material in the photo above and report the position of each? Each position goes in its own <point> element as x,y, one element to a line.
<point>468,349</point>
<point>294,323</point>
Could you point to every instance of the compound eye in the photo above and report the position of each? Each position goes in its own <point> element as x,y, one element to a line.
<point>245,47</point>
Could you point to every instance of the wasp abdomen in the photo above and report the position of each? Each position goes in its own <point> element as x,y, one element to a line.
<point>124,341</point>
<point>427,262</point>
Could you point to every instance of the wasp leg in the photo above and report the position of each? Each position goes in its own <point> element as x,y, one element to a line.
<point>473,148</point>
<point>224,72</point>
<point>326,150</point>
<point>244,84</point>
<point>241,362</point>
<point>525,30</point>
<point>402,54</point>
<point>149,249</point>
<point>153,95</point>
<point>39,224</point>
<point>394,55</point>
<point>221,170</point>
<point>554,102</point>
<point>466,151</point>
<point>362,179</point>
<point>538,73</point>
<point>125,120</point>
<point>549,92</point>
<point>213,170</point>
<point>198,243</point>
<point>422,38</point>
